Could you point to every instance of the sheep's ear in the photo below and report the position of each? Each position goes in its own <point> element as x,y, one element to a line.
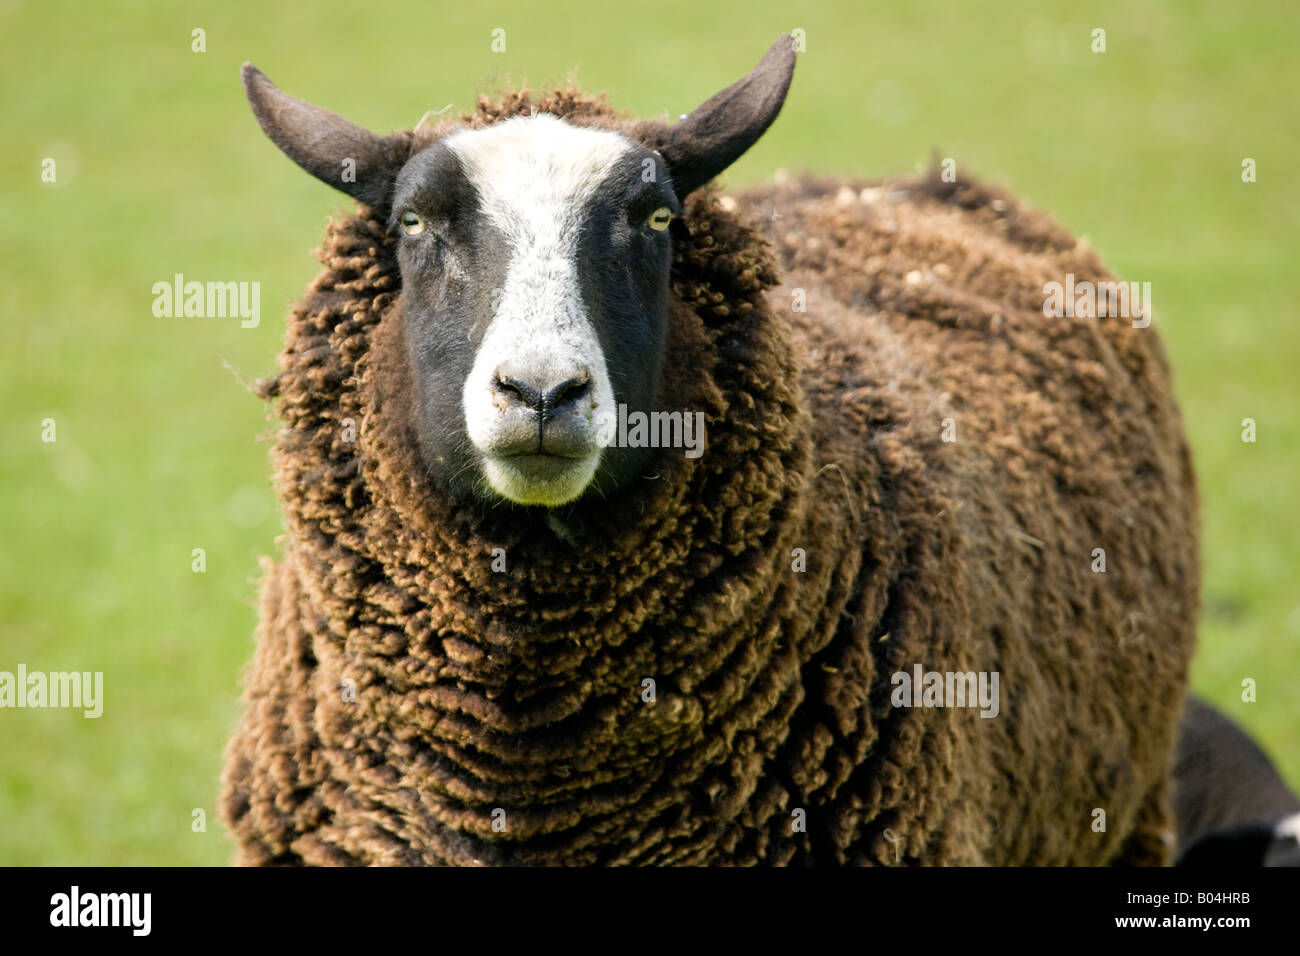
<point>724,126</point>
<point>333,150</point>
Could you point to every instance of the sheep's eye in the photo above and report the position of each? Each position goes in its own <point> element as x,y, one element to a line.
<point>660,218</point>
<point>412,224</point>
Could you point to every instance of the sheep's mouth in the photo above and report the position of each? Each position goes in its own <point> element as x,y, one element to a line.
<point>543,463</point>
<point>540,478</point>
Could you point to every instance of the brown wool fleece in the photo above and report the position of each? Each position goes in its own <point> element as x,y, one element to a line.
<point>500,716</point>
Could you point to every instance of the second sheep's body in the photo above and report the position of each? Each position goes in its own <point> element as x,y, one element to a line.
<point>908,465</point>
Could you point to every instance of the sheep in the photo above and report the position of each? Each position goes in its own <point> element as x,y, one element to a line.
<point>1231,806</point>
<point>497,637</point>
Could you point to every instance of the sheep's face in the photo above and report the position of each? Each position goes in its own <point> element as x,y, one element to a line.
<point>535,259</point>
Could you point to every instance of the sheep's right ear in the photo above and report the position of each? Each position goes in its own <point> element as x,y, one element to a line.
<point>333,150</point>
<point>720,129</point>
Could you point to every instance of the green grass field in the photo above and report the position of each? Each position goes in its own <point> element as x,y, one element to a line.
<point>161,169</point>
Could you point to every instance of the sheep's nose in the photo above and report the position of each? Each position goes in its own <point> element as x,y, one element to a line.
<point>546,395</point>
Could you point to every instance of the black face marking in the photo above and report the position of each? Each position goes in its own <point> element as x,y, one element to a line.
<point>624,278</point>
<point>448,274</point>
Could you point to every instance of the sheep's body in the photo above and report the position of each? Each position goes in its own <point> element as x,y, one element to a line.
<point>1231,805</point>
<point>500,716</point>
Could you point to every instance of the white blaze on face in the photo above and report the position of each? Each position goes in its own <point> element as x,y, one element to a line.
<point>535,177</point>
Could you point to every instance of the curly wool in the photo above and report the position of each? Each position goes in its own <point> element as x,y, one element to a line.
<point>499,716</point>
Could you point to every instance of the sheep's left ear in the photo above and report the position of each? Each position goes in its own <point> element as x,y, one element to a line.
<point>724,126</point>
<point>338,153</point>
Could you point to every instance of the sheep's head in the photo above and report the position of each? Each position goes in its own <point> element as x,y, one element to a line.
<point>535,258</point>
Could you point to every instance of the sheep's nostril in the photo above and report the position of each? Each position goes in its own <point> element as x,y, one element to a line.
<point>566,393</point>
<point>535,393</point>
<point>515,390</point>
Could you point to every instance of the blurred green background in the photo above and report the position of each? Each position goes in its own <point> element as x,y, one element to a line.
<point>162,169</point>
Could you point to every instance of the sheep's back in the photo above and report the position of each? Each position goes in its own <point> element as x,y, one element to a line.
<point>1015,452</point>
